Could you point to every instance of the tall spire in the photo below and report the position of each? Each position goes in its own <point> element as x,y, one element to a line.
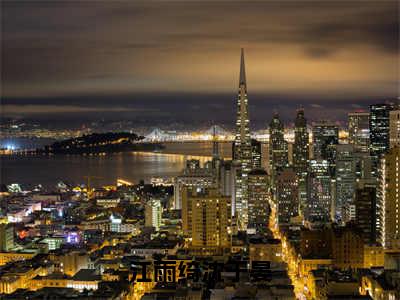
<point>242,79</point>
<point>242,151</point>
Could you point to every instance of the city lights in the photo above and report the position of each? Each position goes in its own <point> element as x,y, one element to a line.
<point>156,150</point>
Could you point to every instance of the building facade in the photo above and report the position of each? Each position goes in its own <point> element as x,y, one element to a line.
<point>206,217</point>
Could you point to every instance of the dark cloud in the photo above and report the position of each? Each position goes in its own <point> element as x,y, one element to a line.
<point>379,29</point>
<point>318,50</point>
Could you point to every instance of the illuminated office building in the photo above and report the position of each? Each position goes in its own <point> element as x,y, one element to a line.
<point>258,200</point>
<point>379,128</point>
<point>206,218</point>
<point>325,139</point>
<point>301,155</point>
<point>394,128</point>
<point>278,147</point>
<point>358,126</point>
<point>345,178</point>
<point>389,199</point>
<point>287,195</point>
<point>242,151</point>
<point>319,192</point>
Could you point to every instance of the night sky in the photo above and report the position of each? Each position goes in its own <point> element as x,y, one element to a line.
<point>162,62</point>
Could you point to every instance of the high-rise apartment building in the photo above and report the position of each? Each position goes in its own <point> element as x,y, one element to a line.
<point>259,197</point>
<point>388,204</point>
<point>206,218</point>
<point>287,195</point>
<point>242,150</point>
<point>358,126</point>
<point>278,147</point>
<point>319,192</point>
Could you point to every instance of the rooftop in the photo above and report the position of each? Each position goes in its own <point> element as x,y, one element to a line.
<point>86,275</point>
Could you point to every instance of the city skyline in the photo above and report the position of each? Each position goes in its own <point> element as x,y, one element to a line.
<point>218,150</point>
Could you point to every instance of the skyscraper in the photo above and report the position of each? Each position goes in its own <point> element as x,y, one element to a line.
<point>389,199</point>
<point>258,200</point>
<point>379,128</point>
<point>345,178</point>
<point>242,150</point>
<point>325,139</point>
<point>300,147</point>
<point>278,147</point>
<point>287,194</point>
<point>358,127</point>
<point>301,155</point>
<point>319,189</point>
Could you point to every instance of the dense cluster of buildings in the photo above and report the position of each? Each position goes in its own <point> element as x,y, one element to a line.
<point>313,218</point>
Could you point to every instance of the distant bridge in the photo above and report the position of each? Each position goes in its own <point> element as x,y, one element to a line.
<point>214,133</point>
